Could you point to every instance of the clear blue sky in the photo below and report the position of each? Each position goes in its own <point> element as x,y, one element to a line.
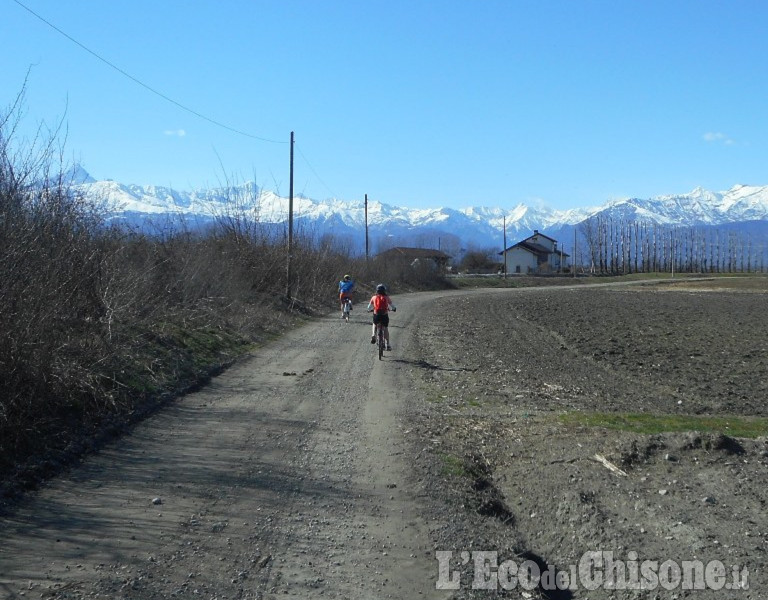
<point>416,103</point>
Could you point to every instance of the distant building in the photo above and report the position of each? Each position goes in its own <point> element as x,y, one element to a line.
<point>535,255</point>
<point>416,256</point>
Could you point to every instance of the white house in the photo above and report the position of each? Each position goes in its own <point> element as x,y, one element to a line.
<point>534,255</point>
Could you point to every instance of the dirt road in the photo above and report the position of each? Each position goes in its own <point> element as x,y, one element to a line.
<point>314,470</point>
<point>288,477</point>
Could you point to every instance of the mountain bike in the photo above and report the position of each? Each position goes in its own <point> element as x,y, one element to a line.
<point>378,339</point>
<point>346,308</point>
<point>380,343</point>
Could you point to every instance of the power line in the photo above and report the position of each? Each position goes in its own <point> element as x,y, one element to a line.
<point>167,98</point>
<point>311,168</point>
<point>144,85</point>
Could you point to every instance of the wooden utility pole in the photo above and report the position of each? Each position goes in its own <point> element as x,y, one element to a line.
<point>573,260</point>
<point>366,229</point>
<point>504,249</point>
<point>290,226</point>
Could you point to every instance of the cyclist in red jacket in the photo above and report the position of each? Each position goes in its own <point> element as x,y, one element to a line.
<point>380,305</point>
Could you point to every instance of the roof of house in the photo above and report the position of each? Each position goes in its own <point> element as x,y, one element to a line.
<point>536,249</point>
<point>529,247</point>
<point>413,253</point>
<point>536,233</point>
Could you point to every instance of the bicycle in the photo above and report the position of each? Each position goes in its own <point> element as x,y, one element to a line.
<point>380,343</point>
<point>346,308</point>
<point>379,340</point>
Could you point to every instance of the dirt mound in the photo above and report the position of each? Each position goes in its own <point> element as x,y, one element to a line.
<point>642,450</point>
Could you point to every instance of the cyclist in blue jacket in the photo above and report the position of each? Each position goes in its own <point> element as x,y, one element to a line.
<point>346,287</point>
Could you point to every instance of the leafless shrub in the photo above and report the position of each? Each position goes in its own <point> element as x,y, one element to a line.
<point>49,314</point>
<point>480,260</point>
<point>406,274</point>
<point>95,320</point>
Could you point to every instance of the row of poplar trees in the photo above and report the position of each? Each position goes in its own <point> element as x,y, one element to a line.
<point>619,247</point>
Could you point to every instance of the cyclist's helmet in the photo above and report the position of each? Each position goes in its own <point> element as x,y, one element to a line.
<point>380,289</point>
<point>347,278</point>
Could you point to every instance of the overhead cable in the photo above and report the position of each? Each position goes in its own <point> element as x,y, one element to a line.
<point>144,85</point>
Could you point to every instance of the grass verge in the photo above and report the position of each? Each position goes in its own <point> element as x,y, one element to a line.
<point>743,427</point>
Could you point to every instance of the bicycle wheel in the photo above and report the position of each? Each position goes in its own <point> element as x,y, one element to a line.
<point>381,343</point>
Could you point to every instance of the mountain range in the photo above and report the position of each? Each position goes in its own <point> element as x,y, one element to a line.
<point>452,230</point>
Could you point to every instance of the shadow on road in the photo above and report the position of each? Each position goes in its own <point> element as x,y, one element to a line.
<point>423,364</point>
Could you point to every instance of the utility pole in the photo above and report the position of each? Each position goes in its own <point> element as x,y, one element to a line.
<point>366,229</point>
<point>504,249</point>
<point>290,226</point>
<point>573,262</point>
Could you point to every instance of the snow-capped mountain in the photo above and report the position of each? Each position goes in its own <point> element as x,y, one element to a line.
<point>473,227</point>
<point>699,207</point>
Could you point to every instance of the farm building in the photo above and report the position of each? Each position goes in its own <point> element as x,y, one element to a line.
<point>536,254</point>
<point>415,256</point>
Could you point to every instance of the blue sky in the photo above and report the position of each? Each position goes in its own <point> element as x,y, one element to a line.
<point>566,103</point>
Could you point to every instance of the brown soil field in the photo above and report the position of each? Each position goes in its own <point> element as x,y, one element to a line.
<point>511,383</point>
